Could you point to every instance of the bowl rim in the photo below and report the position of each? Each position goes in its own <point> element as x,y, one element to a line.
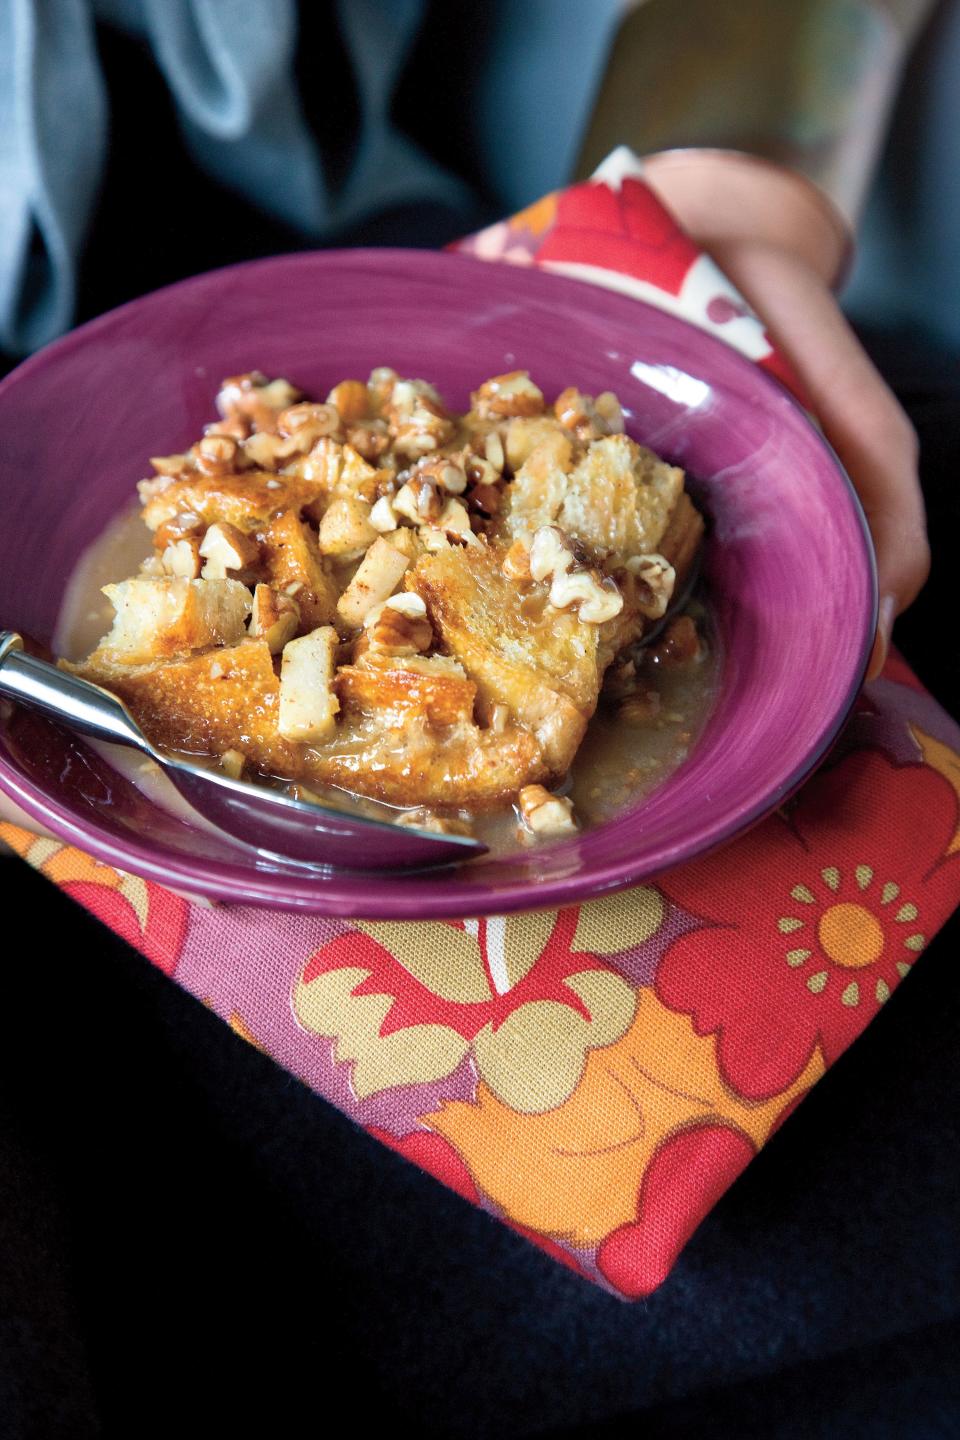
<point>311,892</point>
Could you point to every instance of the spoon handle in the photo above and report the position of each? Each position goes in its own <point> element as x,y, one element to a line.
<point>65,697</point>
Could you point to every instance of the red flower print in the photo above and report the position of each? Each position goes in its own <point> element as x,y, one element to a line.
<point>435,1155</point>
<point>811,922</point>
<point>519,994</point>
<point>415,1002</point>
<point>681,1185</point>
<point>627,230</point>
<point>155,924</point>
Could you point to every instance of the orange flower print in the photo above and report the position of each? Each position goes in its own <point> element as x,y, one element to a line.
<point>811,922</point>
<point>576,1172</point>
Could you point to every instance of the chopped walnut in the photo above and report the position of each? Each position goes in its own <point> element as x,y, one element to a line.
<point>445,473</point>
<point>512,394</point>
<point>324,464</point>
<point>257,398</point>
<point>380,386</point>
<point>400,626</point>
<point>169,465</point>
<point>424,819</point>
<point>264,450</point>
<point>383,517</point>
<point>275,617</point>
<point>493,452</point>
<point>181,526</point>
<point>544,814</point>
<point>351,400</point>
<point>431,538</point>
<point>238,427</point>
<point>481,472</point>
<point>302,425</point>
<point>657,579</point>
<point>589,419</point>
<point>599,599</point>
<point>454,521</point>
<point>609,409</point>
<point>216,454</point>
<point>371,439</point>
<point>182,557</point>
<point>551,553</point>
<point>224,548</point>
<point>232,762</point>
<point>418,422</point>
<point>418,501</point>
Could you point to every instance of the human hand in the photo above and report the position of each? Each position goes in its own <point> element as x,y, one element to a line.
<point>782,247</point>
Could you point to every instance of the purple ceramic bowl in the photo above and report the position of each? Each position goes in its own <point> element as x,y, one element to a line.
<point>789,566</point>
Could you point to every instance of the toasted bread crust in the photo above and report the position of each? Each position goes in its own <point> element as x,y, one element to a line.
<point>441,594</point>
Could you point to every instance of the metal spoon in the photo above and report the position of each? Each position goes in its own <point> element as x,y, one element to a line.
<point>253,814</point>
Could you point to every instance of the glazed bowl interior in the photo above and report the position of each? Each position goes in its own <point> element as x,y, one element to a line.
<point>788,571</point>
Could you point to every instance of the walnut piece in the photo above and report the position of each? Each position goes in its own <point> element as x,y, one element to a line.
<point>418,421</point>
<point>275,617</point>
<point>232,762</point>
<point>599,599</point>
<point>544,814</point>
<point>399,626</point>
<point>418,501</point>
<point>445,473</point>
<point>424,819</point>
<point>216,454</point>
<point>589,419</point>
<point>351,400</point>
<point>383,516</point>
<point>658,578</point>
<point>182,557</point>
<point>511,394</point>
<point>224,548</point>
<point>551,554</point>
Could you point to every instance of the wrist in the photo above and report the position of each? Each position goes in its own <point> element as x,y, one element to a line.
<point>725,198</point>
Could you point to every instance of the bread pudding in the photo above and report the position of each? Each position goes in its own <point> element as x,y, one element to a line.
<point>375,594</point>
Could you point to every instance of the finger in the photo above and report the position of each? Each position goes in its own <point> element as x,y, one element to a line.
<point>859,414</point>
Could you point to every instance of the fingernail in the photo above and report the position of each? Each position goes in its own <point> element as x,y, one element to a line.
<point>885,618</point>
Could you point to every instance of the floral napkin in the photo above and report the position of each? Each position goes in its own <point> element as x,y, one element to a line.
<point>596,1077</point>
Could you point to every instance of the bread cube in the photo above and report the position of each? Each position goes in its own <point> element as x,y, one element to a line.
<point>158,618</point>
<point>294,565</point>
<point>345,529</point>
<point>379,573</point>
<point>308,705</point>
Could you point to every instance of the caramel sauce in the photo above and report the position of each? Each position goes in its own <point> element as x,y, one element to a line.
<point>618,763</point>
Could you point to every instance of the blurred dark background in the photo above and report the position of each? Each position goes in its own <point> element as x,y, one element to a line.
<point>321,1276</point>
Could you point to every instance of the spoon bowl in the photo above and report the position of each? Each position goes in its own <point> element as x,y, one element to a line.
<point>271,822</point>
